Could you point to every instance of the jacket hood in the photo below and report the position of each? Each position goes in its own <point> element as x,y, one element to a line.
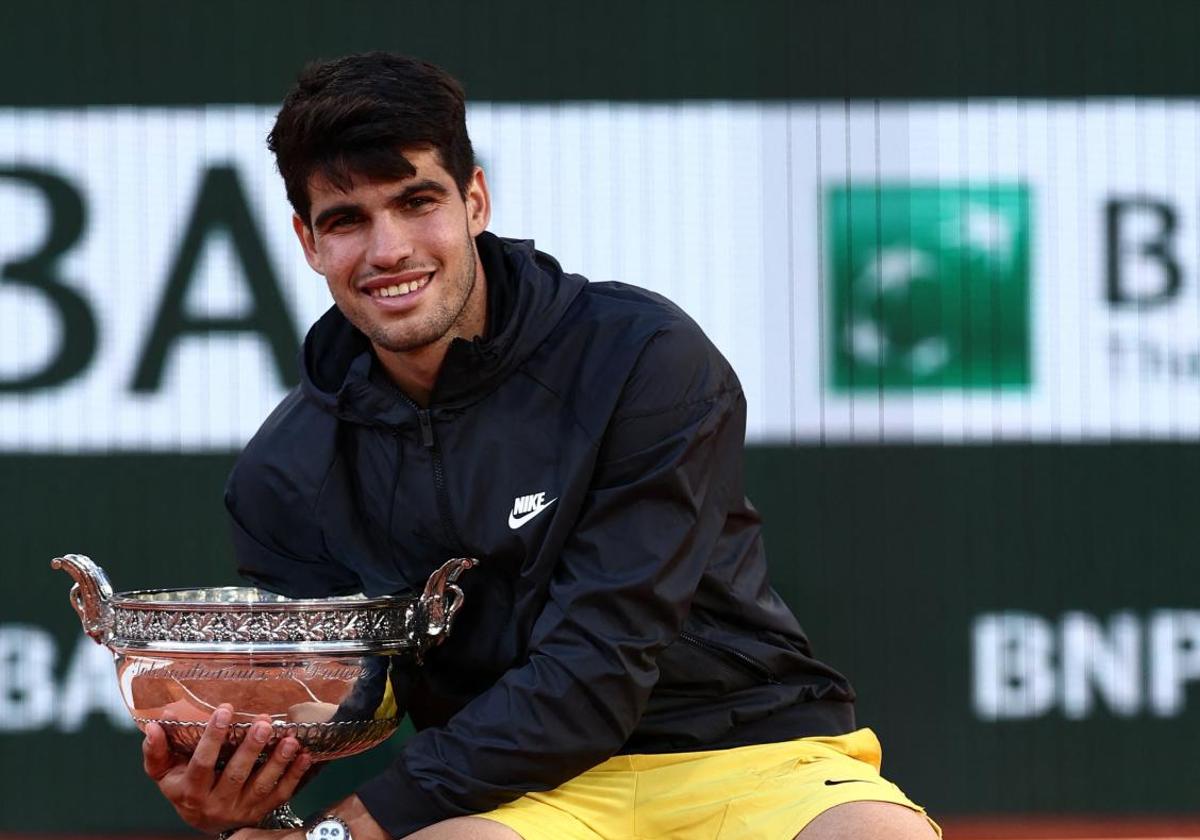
<point>528,294</point>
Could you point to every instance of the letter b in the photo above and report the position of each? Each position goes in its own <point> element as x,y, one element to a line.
<point>1153,249</point>
<point>27,694</point>
<point>39,272</point>
<point>1014,666</point>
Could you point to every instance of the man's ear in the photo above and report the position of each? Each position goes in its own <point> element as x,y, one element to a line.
<point>308,241</point>
<point>479,203</point>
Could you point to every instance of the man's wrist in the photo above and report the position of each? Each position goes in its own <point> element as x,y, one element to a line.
<point>281,817</point>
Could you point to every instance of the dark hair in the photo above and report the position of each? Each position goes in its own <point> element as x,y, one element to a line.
<point>355,115</point>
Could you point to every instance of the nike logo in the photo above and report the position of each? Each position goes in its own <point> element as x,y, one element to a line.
<point>527,507</point>
<point>847,781</point>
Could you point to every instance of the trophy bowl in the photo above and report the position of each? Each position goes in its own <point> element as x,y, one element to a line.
<point>326,671</point>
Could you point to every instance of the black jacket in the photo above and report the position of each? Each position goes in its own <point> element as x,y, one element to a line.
<point>632,614</point>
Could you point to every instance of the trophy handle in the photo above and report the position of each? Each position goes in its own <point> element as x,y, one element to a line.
<point>90,596</point>
<point>281,817</point>
<point>440,602</point>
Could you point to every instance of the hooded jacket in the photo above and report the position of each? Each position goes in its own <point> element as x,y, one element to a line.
<point>588,451</point>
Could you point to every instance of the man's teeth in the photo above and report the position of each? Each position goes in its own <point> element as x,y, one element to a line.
<point>400,289</point>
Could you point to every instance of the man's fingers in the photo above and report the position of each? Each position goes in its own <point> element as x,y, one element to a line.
<point>276,765</point>
<point>156,754</point>
<point>204,757</point>
<point>290,779</point>
<point>240,765</point>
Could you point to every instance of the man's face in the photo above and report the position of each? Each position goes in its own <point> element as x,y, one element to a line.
<point>399,256</point>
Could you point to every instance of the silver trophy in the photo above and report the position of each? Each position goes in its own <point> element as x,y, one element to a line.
<point>323,670</point>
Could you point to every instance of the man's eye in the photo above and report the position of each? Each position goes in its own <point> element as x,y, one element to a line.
<point>339,222</point>
<point>419,202</point>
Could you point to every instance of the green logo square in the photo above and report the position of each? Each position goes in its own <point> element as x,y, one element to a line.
<point>930,287</point>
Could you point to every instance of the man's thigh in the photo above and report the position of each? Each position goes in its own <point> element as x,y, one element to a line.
<point>851,821</point>
<point>868,821</point>
<point>465,828</point>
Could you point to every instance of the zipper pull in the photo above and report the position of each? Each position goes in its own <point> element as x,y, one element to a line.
<point>426,427</point>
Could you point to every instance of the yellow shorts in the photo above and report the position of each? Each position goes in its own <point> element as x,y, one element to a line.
<point>761,792</point>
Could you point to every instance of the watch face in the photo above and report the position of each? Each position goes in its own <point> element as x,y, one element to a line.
<point>329,829</point>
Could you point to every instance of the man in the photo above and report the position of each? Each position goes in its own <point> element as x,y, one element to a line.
<point>621,667</point>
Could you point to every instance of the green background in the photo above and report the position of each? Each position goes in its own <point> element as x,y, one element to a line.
<point>885,552</point>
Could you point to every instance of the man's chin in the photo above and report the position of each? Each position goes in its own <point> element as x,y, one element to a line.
<point>387,338</point>
<point>402,344</point>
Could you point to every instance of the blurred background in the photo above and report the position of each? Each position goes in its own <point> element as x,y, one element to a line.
<point>950,247</point>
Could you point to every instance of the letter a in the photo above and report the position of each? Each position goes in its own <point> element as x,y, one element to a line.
<point>221,206</point>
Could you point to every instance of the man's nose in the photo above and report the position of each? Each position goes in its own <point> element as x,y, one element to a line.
<point>390,243</point>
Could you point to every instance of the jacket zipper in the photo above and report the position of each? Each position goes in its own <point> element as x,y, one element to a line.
<point>439,472</point>
<point>439,477</point>
<point>747,663</point>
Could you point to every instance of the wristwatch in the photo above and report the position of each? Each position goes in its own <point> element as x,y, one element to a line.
<point>329,827</point>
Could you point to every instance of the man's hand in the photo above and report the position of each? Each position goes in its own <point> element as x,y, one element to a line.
<point>239,794</point>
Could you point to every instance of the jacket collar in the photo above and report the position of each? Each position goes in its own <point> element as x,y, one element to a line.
<point>528,294</point>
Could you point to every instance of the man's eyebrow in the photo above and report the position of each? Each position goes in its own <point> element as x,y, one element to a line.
<point>426,185</point>
<point>336,210</point>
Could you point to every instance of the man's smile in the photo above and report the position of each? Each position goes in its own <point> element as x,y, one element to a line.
<point>403,286</point>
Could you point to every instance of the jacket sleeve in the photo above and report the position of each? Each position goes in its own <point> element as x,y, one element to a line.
<point>277,569</point>
<point>276,541</point>
<point>668,468</point>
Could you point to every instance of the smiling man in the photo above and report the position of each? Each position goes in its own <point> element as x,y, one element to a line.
<point>621,667</point>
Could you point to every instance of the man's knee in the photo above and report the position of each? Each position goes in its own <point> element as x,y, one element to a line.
<point>869,821</point>
<point>465,828</point>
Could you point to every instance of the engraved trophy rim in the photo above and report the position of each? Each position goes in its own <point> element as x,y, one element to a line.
<point>243,620</point>
<point>240,621</point>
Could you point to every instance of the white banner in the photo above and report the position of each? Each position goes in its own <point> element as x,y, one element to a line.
<point>957,272</point>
